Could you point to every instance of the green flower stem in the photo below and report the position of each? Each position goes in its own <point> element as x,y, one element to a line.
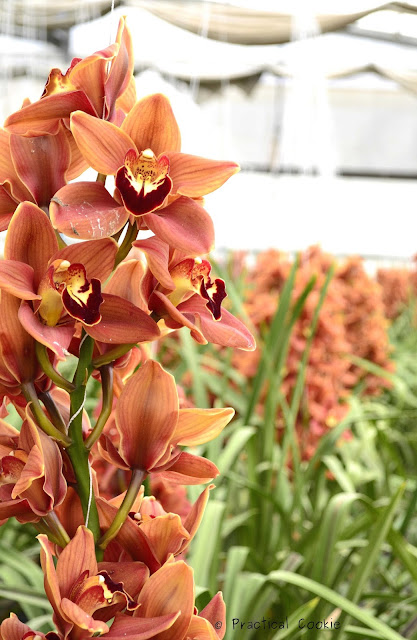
<point>53,411</point>
<point>42,527</point>
<point>61,243</point>
<point>77,452</point>
<point>123,512</point>
<point>101,177</point>
<point>112,355</point>
<point>107,386</point>
<point>29,391</point>
<point>57,529</point>
<point>57,379</point>
<point>131,233</point>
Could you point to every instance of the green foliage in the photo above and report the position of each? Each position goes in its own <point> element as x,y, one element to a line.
<point>342,526</point>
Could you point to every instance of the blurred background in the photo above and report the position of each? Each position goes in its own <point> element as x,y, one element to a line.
<point>315,100</point>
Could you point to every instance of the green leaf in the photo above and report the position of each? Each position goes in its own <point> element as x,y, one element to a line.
<point>347,606</point>
<point>26,596</point>
<point>371,553</point>
<point>325,564</point>
<point>234,447</point>
<point>205,548</point>
<point>304,611</point>
<point>236,558</point>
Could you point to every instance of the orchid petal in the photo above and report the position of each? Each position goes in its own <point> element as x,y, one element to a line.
<point>57,338</point>
<point>157,255</point>
<point>41,163</point>
<point>7,208</point>
<point>32,471</point>
<point>8,172</point>
<point>109,453</point>
<point>201,629</point>
<point>125,282</point>
<point>43,117</point>
<point>146,415</point>
<point>194,176</point>
<point>50,577</point>
<point>102,144</point>
<point>17,278</point>
<point>151,124</point>
<point>78,164</point>
<point>97,256</point>
<point>89,75</point>
<point>198,426</point>
<point>125,627</point>
<point>18,509</point>
<point>169,590</point>
<point>166,534</point>
<point>215,611</point>
<point>193,519</point>
<point>78,556</point>
<point>54,484</point>
<point>17,347</point>
<point>190,469</point>
<point>130,536</point>
<point>184,225</point>
<point>127,100</point>
<point>174,319</point>
<point>228,332</point>
<point>86,210</point>
<point>81,619</point>
<point>121,70</point>
<point>132,575</point>
<point>31,239</point>
<point>122,323</point>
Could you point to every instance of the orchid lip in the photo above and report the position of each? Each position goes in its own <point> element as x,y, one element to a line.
<point>143,181</point>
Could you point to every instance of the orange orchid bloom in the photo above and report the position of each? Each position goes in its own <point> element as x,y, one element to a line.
<point>84,595</point>
<point>101,85</point>
<point>152,427</point>
<point>59,287</point>
<point>31,478</point>
<point>151,535</point>
<point>180,291</point>
<point>154,180</point>
<point>170,591</point>
<point>167,594</point>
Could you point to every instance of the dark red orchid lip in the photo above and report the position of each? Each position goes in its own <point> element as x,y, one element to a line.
<point>143,182</point>
<point>214,293</point>
<point>81,298</point>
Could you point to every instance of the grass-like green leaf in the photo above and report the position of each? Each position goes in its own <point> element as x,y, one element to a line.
<point>346,605</point>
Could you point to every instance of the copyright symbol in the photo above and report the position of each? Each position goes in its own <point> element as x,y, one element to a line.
<point>218,625</point>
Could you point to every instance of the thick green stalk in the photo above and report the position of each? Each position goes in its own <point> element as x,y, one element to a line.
<point>131,233</point>
<point>57,379</point>
<point>107,403</point>
<point>112,355</point>
<point>125,507</point>
<point>53,411</point>
<point>29,391</point>
<point>57,529</point>
<point>77,451</point>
